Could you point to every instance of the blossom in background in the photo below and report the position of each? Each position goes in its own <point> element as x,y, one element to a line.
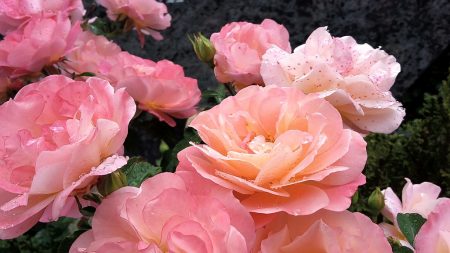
<point>323,231</point>
<point>280,150</point>
<point>416,198</point>
<point>57,136</point>
<point>170,212</point>
<point>40,43</point>
<point>434,236</point>
<point>355,78</point>
<point>148,16</point>
<point>92,53</point>
<point>14,13</point>
<point>159,88</point>
<point>239,47</point>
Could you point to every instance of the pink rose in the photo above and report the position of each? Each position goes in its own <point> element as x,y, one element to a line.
<point>57,136</point>
<point>416,198</point>
<point>93,54</point>
<point>169,213</point>
<point>280,150</point>
<point>355,78</point>
<point>434,236</point>
<point>325,232</point>
<point>149,16</point>
<point>239,48</point>
<point>14,13</point>
<point>159,88</point>
<point>41,42</point>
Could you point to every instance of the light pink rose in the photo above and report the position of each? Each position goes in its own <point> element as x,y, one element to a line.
<point>355,78</point>
<point>14,13</point>
<point>434,236</point>
<point>149,16</point>
<point>93,53</point>
<point>57,136</point>
<point>239,48</point>
<point>324,231</point>
<point>159,88</point>
<point>280,150</point>
<point>41,42</point>
<point>170,212</point>
<point>416,198</point>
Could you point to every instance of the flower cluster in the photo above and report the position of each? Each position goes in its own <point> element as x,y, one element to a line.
<point>275,166</point>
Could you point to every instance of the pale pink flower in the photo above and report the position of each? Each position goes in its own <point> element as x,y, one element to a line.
<point>434,236</point>
<point>240,46</point>
<point>280,150</point>
<point>14,13</point>
<point>416,198</point>
<point>159,88</point>
<point>41,42</point>
<point>57,137</point>
<point>171,212</point>
<point>355,78</point>
<point>149,16</point>
<point>93,53</point>
<point>324,232</point>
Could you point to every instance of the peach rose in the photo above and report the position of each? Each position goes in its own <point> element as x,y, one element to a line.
<point>280,150</point>
<point>14,13</point>
<point>41,42</point>
<point>325,232</point>
<point>149,16</point>
<point>57,136</point>
<point>416,198</point>
<point>93,53</point>
<point>355,78</point>
<point>159,88</point>
<point>170,212</point>
<point>239,48</point>
<point>434,236</point>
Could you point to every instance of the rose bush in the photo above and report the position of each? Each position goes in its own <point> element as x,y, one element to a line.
<point>14,13</point>
<point>280,150</point>
<point>40,43</point>
<point>179,212</point>
<point>324,231</point>
<point>58,136</point>
<point>355,78</point>
<point>239,47</point>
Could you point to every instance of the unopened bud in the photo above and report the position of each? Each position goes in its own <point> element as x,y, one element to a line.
<point>203,48</point>
<point>111,182</point>
<point>376,200</point>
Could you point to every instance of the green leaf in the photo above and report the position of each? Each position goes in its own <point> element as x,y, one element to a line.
<point>87,74</point>
<point>66,243</point>
<point>170,160</point>
<point>410,224</point>
<point>137,170</point>
<point>87,211</point>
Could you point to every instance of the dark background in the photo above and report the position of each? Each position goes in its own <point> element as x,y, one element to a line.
<point>416,32</point>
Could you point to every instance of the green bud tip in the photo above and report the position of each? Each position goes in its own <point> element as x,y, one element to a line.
<point>111,182</point>
<point>376,200</point>
<point>203,48</point>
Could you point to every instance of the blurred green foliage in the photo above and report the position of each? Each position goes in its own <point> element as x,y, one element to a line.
<point>419,149</point>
